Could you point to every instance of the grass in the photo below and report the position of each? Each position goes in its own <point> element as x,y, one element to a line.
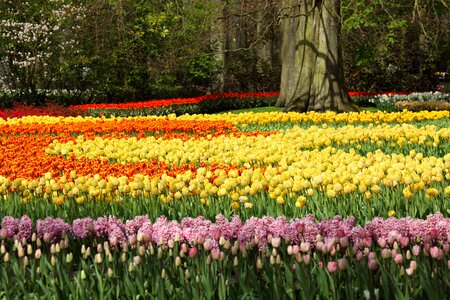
<point>275,109</point>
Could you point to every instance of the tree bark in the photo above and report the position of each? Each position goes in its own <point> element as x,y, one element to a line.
<point>264,50</point>
<point>218,46</point>
<point>312,75</point>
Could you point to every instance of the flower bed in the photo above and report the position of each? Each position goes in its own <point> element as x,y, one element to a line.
<point>270,205</point>
<point>108,252</point>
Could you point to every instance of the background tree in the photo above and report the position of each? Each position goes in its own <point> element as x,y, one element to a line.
<point>395,45</point>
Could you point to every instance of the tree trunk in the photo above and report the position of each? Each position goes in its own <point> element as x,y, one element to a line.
<point>218,46</point>
<point>264,51</point>
<point>312,75</point>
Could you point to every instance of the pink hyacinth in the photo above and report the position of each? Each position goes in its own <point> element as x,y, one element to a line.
<point>82,228</point>
<point>25,229</point>
<point>10,226</point>
<point>52,230</point>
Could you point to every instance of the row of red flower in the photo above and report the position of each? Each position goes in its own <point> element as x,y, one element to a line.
<point>176,101</point>
<point>21,110</point>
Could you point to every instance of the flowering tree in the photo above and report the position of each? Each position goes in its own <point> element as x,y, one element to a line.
<point>35,38</point>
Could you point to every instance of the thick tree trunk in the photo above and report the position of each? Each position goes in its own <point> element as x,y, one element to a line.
<point>312,75</point>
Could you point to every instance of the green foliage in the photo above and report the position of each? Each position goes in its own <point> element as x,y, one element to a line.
<point>394,46</point>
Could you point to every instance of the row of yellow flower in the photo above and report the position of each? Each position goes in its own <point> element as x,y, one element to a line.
<point>258,118</point>
<point>276,148</point>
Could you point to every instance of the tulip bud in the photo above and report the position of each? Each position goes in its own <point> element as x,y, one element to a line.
<point>307,259</point>
<point>140,237</point>
<point>106,245</point>
<point>99,248</point>
<point>298,257</point>
<point>160,252</point>
<point>359,255</point>
<point>208,260</point>
<point>57,248</point>
<point>187,274</point>
<point>37,254</point>
<point>305,246</point>
<point>38,242</point>
<point>386,253</point>
<point>381,242</point>
<point>416,250</point>
<point>33,237</point>
<point>20,251</point>
<point>131,267</point>
<point>259,263</point>
<point>278,259</point>
<point>6,257</point>
<point>342,264</point>
<point>88,252</point>
<point>141,250</point>
<point>332,266</point>
<point>46,237</point>
<point>272,260</point>
<point>192,252</point>
<point>2,249</point>
<point>137,260</point>
<point>110,272</point>
<point>413,265</point>
<point>25,261</point>
<point>29,249</point>
<point>398,259</point>
<point>69,258</point>
<point>163,273</point>
<point>53,260</point>
<point>274,252</point>
<point>177,261</point>
<point>276,241</point>
<point>234,250</point>
<point>434,252</point>
<point>98,258</point>
<point>289,250</point>
<point>123,257</point>
<point>404,241</point>
<point>373,265</point>
<point>215,253</point>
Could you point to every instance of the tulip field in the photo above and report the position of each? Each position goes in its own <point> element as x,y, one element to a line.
<point>226,206</point>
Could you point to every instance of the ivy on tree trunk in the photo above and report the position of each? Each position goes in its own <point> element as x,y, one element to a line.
<point>312,75</point>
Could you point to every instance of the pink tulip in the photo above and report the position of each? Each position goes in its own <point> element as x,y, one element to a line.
<point>332,266</point>
<point>398,259</point>
<point>192,252</point>
<point>434,252</point>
